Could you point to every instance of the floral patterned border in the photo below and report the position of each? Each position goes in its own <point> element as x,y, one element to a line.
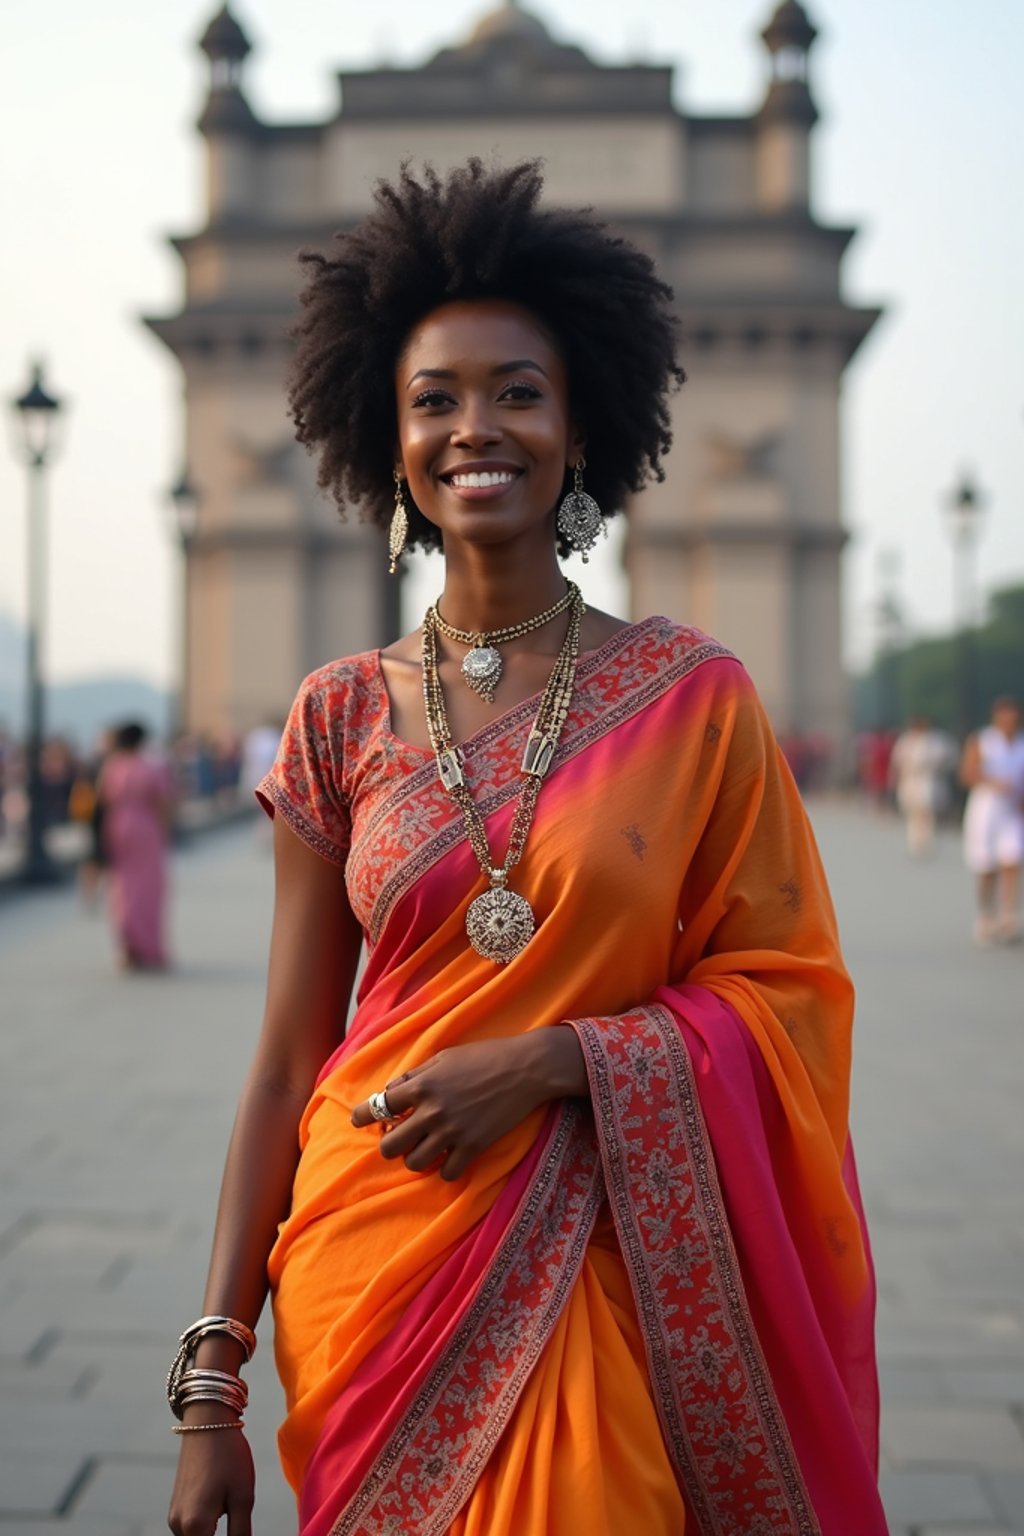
<point>722,1422</point>
<point>629,680</point>
<point>432,1462</point>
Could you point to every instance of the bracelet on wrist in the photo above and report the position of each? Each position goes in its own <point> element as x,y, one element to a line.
<point>189,1383</point>
<point>198,1429</point>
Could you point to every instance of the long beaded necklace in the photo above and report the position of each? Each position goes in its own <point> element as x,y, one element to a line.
<point>482,665</point>
<point>500,923</point>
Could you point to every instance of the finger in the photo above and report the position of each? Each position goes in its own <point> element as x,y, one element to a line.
<point>401,1098</point>
<point>406,1077</point>
<point>239,1519</point>
<point>404,1136</point>
<point>456,1163</point>
<point>361,1114</point>
<point>427,1156</point>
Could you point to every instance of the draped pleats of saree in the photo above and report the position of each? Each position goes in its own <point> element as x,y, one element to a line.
<point>650,1311</point>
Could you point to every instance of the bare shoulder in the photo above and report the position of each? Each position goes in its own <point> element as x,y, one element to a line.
<point>407,649</point>
<point>598,627</point>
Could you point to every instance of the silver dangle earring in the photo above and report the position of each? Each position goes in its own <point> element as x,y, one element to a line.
<point>398,531</point>
<point>580,520</point>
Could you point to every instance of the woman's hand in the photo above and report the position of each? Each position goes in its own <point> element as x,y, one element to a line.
<point>215,1477</point>
<point>465,1098</point>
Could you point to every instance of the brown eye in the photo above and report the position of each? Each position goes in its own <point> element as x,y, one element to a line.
<point>520,390</point>
<point>432,397</point>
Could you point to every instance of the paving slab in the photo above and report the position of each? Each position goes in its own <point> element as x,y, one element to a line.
<point>952,1436</point>
<point>964,1530</point>
<point>918,1497</point>
<point>37,1482</point>
<point>1008,1495</point>
<point>116,1097</point>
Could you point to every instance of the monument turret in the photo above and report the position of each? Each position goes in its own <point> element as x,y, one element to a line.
<point>788,113</point>
<point>227,122</point>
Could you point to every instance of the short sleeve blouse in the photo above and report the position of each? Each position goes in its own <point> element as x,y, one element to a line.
<point>306,783</point>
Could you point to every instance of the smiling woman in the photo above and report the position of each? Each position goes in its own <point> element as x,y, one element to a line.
<point>483,445</point>
<point>564,1232</point>
<point>596,301</point>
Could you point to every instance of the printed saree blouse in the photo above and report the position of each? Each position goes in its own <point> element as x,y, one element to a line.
<point>650,1311</point>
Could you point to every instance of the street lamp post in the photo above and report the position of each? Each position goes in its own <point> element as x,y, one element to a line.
<point>184,500</point>
<point>38,414</point>
<point>964,509</point>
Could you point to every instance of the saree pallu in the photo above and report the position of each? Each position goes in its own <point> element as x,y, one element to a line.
<point>652,1311</point>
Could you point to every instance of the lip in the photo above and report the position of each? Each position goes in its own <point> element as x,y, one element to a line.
<point>481,467</point>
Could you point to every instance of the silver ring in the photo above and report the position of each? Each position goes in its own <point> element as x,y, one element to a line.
<point>380,1109</point>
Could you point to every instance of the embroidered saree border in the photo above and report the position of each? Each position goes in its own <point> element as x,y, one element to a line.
<point>722,1422</point>
<point>638,687</point>
<point>434,1458</point>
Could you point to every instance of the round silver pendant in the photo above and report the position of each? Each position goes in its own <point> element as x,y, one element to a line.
<point>500,924</point>
<point>481,667</point>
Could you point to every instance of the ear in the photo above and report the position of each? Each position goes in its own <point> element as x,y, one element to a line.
<point>577,442</point>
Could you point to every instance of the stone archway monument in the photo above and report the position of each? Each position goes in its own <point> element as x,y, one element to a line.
<point>745,536</point>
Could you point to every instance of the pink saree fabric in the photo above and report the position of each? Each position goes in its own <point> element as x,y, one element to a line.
<point>134,791</point>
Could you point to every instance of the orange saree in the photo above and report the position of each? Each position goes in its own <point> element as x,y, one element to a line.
<point>650,1311</point>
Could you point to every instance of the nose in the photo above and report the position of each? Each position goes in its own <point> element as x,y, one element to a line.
<point>477,423</point>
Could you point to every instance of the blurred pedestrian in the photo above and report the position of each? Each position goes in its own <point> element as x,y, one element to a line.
<point>258,753</point>
<point>992,769</point>
<point>136,796</point>
<point>876,757</point>
<point>796,750</point>
<point>922,759</point>
<point>6,760</point>
<point>58,768</point>
<point>86,808</point>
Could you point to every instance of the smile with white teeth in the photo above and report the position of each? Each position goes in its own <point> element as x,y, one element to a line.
<point>489,477</point>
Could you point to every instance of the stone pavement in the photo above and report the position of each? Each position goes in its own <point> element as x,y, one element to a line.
<point>116,1096</point>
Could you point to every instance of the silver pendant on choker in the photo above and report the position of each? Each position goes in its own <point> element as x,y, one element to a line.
<point>481,667</point>
<point>500,924</point>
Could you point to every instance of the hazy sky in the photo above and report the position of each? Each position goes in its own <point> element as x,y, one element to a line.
<point>920,147</point>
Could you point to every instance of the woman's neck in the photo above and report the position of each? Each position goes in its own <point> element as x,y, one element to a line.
<point>487,589</point>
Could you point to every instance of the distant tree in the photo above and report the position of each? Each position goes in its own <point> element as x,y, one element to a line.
<point>920,678</point>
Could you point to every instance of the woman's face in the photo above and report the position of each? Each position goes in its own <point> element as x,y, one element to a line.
<point>484,430</point>
<point>1006,718</point>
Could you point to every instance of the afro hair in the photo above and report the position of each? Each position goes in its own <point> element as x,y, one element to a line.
<point>479,233</point>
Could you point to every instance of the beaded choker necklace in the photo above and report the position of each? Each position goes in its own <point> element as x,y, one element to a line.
<point>482,665</point>
<point>500,922</point>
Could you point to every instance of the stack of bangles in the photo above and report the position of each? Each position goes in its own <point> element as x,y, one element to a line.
<point>188,1383</point>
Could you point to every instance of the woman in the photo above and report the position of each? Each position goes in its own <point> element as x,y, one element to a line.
<point>564,1232</point>
<point>922,757</point>
<point>135,800</point>
<point>992,770</point>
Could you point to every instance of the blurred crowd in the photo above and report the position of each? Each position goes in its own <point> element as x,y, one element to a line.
<point>128,794</point>
<point>206,773</point>
<point>123,802</point>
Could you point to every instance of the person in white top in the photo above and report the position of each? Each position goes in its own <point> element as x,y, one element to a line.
<point>922,760</point>
<point>992,769</point>
<point>259,750</point>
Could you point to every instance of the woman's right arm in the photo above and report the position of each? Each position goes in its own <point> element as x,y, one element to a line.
<point>314,953</point>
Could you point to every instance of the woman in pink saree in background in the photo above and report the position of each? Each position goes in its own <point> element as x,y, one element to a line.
<point>136,794</point>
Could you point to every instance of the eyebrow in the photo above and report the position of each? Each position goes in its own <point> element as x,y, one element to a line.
<point>516,365</point>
